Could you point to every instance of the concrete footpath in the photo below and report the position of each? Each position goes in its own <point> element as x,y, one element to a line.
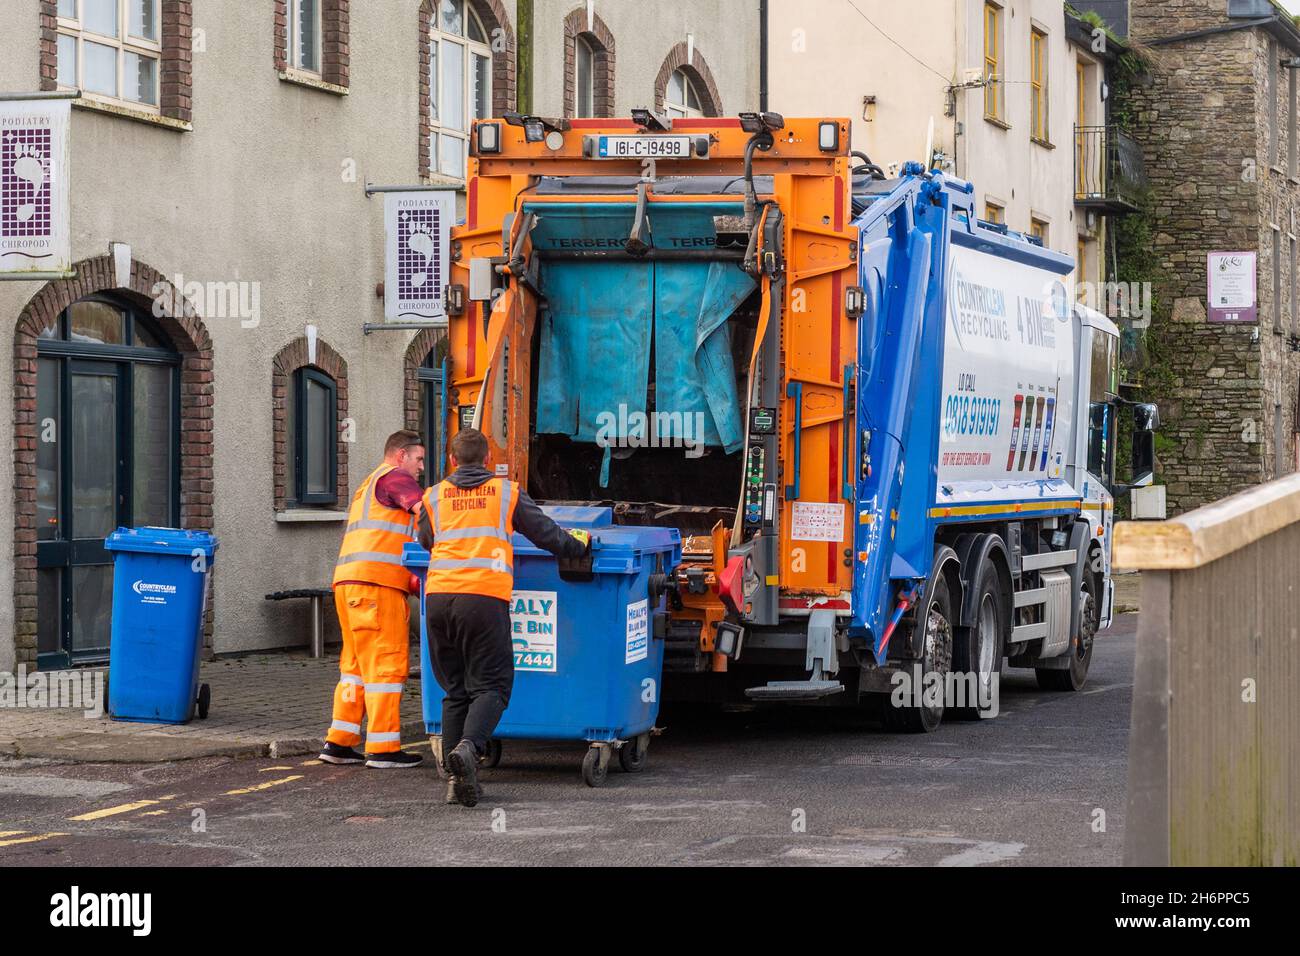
<point>267,705</point>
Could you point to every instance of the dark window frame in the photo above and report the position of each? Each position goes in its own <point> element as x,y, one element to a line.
<point>300,495</point>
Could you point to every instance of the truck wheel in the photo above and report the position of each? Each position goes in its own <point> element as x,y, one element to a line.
<point>936,658</point>
<point>204,701</point>
<point>978,649</point>
<point>1076,675</point>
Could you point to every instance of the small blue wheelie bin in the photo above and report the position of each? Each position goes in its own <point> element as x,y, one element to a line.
<point>160,587</point>
<point>587,663</point>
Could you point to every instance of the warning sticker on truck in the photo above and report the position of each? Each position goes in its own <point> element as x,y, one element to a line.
<point>638,632</point>
<point>533,630</point>
<point>817,521</point>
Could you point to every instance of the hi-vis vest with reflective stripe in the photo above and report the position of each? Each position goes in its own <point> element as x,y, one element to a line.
<point>472,553</point>
<point>372,544</point>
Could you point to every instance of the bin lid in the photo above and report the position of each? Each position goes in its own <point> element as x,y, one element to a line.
<point>162,541</point>
<point>615,549</point>
<point>580,516</point>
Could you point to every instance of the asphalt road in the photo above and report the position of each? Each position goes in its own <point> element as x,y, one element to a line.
<point>769,787</point>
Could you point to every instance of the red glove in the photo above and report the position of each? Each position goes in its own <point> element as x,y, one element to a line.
<point>413,586</point>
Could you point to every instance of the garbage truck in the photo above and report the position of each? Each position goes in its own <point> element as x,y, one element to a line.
<point>884,430</point>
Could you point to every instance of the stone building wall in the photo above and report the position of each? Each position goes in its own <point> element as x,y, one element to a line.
<point>1203,119</point>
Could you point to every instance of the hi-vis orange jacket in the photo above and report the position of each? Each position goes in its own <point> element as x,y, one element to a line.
<point>372,544</point>
<point>472,553</point>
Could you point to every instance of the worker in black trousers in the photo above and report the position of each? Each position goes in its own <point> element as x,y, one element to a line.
<point>466,524</point>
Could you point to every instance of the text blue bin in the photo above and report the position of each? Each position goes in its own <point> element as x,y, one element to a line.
<point>591,668</point>
<point>160,579</point>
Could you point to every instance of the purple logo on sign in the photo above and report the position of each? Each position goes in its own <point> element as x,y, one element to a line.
<point>24,183</point>
<point>417,263</point>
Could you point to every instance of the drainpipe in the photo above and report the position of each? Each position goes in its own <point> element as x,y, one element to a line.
<point>524,57</point>
<point>762,56</point>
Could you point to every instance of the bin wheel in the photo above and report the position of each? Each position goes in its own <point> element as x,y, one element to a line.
<point>493,755</point>
<point>204,701</point>
<point>631,756</point>
<point>594,770</point>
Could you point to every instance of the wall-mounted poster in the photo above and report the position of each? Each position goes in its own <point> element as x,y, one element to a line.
<point>1230,277</point>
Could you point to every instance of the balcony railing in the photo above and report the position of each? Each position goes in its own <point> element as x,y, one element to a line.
<point>1109,174</point>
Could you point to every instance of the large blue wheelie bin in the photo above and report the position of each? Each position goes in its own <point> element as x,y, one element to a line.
<point>588,666</point>
<point>160,587</point>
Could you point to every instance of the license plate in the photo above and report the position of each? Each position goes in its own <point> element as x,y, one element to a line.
<point>644,147</point>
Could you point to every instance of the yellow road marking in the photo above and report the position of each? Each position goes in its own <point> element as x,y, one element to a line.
<point>265,769</point>
<point>263,786</point>
<point>310,763</point>
<point>170,796</point>
<point>9,833</point>
<point>31,839</point>
<point>113,811</point>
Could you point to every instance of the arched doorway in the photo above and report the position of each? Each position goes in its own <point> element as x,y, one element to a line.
<point>107,456</point>
<point>87,352</point>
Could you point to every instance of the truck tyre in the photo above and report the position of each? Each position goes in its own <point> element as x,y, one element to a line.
<point>1076,675</point>
<point>978,649</point>
<point>936,658</point>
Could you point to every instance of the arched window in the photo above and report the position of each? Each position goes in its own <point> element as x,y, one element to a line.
<point>680,99</point>
<point>107,456</point>
<point>312,465</point>
<point>460,83</point>
<point>309,417</point>
<point>588,65</point>
<point>585,80</point>
<point>684,86</point>
<point>426,397</point>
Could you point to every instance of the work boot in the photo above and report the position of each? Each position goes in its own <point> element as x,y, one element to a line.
<point>462,764</point>
<point>397,760</point>
<point>338,754</point>
<point>452,783</point>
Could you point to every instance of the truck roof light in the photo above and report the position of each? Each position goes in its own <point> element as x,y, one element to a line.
<point>828,136</point>
<point>650,120</point>
<point>757,122</point>
<point>489,138</point>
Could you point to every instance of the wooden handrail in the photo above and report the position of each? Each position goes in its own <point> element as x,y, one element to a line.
<point>1209,532</point>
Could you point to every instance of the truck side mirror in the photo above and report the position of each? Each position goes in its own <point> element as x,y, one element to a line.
<point>1146,418</point>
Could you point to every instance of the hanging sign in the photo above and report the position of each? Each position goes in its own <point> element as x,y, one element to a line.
<point>417,227</point>
<point>34,232</point>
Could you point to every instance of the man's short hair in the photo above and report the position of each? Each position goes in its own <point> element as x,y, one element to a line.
<point>470,446</point>
<point>400,441</point>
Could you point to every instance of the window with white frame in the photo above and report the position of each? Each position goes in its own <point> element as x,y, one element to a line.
<point>111,49</point>
<point>680,98</point>
<point>305,35</point>
<point>585,78</point>
<point>460,84</point>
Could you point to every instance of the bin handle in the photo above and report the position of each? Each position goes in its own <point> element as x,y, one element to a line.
<point>795,390</point>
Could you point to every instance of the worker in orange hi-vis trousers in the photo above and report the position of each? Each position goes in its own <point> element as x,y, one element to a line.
<point>370,593</point>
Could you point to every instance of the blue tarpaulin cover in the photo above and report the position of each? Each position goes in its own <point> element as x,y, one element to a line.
<point>596,331</point>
